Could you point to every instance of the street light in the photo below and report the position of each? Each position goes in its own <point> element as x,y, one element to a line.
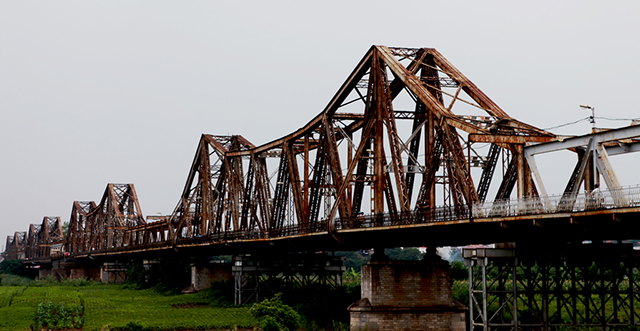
<point>592,119</point>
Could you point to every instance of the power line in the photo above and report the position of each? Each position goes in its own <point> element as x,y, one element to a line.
<point>571,123</point>
<point>618,119</point>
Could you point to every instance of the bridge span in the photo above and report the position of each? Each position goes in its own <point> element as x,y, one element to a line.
<point>406,153</point>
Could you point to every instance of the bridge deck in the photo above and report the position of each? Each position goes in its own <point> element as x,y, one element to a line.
<point>511,220</point>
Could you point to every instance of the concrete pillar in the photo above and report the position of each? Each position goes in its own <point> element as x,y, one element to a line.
<point>113,272</point>
<point>152,270</point>
<point>407,295</point>
<point>44,273</point>
<point>205,273</point>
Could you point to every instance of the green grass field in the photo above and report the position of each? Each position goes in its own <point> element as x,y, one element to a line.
<point>109,306</point>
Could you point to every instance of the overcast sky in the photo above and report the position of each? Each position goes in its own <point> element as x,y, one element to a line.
<point>120,91</point>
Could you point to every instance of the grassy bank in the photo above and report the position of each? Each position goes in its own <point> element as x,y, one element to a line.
<point>115,306</point>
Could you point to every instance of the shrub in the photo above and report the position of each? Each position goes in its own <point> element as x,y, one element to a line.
<point>459,271</point>
<point>219,294</point>
<point>54,316</point>
<point>461,291</point>
<point>132,326</point>
<point>51,281</point>
<point>275,315</point>
<point>13,280</point>
<point>12,267</point>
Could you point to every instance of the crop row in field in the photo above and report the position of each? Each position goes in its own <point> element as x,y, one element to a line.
<point>117,306</point>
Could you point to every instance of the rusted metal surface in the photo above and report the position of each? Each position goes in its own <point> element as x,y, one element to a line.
<point>355,157</point>
<point>105,225</point>
<point>394,147</point>
<point>44,238</point>
<point>16,245</point>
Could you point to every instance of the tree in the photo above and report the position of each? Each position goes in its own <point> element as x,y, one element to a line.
<point>406,253</point>
<point>12,267</point>
<point>354,260</point>
<point>455,254</point>
<point>275,315</point>
<point>459,271</point>
<point>65,229</point>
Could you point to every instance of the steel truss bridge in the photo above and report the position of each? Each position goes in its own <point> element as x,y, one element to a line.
<point>406,153</point>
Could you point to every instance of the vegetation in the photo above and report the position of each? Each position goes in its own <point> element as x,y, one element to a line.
<point>459,271</point>
<point>111,307</point>
<point>355,260</point>
<point>12,267</point>
<point>58,316</point>
<point>172,279</point>
<point>406,253</point>
<point>275,315</point>
<point>149,301</point>
<point>121,307</point>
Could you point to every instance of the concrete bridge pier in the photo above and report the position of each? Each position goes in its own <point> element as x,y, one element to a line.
<point>114,272</point>
<point>205,272</point>
<point>152,268</point>
<point>88,272</point>
<point>407,295</point>
<point>69,268</point>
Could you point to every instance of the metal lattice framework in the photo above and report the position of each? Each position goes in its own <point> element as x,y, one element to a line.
<point>580,286</point>
<point>388,137</point>
<point>16,245</point>
<point>41,237</point>
<point>106,225</point>
<point>402,142</point>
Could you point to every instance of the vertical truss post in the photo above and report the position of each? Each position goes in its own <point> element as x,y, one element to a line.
<point>576,285</point>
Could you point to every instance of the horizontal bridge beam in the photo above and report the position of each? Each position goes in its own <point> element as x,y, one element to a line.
<point>579,141</point>
<point>508,139</point>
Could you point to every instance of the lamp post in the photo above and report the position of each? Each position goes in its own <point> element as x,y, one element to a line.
<point>592,119</point>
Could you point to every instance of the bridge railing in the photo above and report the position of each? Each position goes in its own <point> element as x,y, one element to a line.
<point>589,201</point>
<point>568,203</point>
<point>361,221</point>
<point>419,216</point>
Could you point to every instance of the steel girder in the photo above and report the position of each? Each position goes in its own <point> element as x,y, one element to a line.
<point>357,151</point>
<point>398,136</point>
<point>586,286</point>
<point>41,237</point>
<point>97,227</point>
<point>78,234</point>
<point>593,152</point>
<point>15,248</point>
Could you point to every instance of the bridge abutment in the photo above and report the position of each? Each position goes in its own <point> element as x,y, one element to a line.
<point>68,268</point>
<point>251,273</point>
<point>407,295</point>
<point>114,272</point>
<point>204,273</point>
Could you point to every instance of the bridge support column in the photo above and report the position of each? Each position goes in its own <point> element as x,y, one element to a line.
<point>152,269</point>
<point>207,272</point>
<point>84,272</point>
<point>249,272</point>
<point>113,272</point>
<point>407,295</point>
<point>69,268</point>
<point>553,286</point>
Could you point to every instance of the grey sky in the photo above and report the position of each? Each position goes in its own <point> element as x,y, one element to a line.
<point>115,92</point>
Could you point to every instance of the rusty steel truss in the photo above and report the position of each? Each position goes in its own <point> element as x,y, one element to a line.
<point>389,142</point>
<point>38,242</point>
<point>406,139</point>
<point>16,245</point>
<point>106,225</point>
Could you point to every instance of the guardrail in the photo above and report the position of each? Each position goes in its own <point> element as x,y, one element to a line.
<point>584,201</point>
<point>589,201</point>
